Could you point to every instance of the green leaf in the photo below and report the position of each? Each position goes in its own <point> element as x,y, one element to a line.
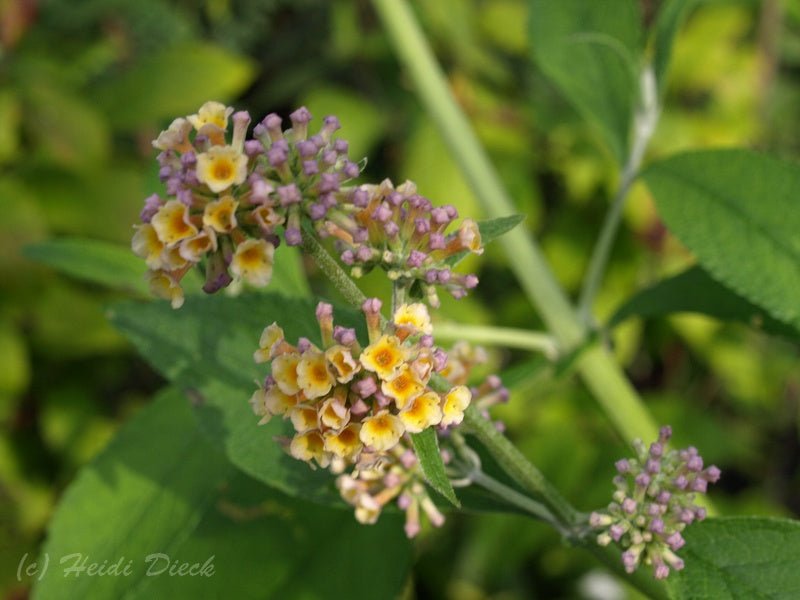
<point>103,263</point>
<point>174,83</point>
<point>161,488</point>
<point>490,229</point>
<point>590,50</point>
<point>695,291</point>
<point>426,447</point>
<point>737,211</point>
<point>745,558</point>
<point>669,20</point>
<point>207,347</point>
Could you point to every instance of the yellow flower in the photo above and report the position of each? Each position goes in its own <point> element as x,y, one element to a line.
<point>403,387</point>
<point>259,406</point>
<point>343,361</point>
<point>214,113</point>
<point>221,167</point>
<point>194,248</point>
<point>267,217</point>
<point>279,403</point>
<point>413,317</point>
<point>381,431</point>
<point>172,223</point>
<point>421,413</point>
<point>271,338</point>
<point>220,215</point>
<point>333,414</point>
<point>313,375</point>
<point>455,403</point>
<point>163,285</point>
<point>309,445</point>
<point>383,357</point>
<point>176,137</point>
<point>145,244</point>
<point>304,418</point>
<point>344,443</point>
<point>284,371</point>
<point>252,262</point>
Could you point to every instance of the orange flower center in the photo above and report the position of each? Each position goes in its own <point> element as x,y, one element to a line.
<point>223,169</point>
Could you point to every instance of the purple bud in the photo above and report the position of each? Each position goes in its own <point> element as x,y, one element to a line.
<point>360,198</point>
<point>422,226</point>
<point>344,335</point>
<point>680,482</point>
<point>330,124</point>
<point>630,560</point>
<point>656,450</point>
<point>383,213</point>
<point>324,311</point>
<point>260,190</point>
<point>317,211</point>
<point>289,194</point>
<point>371,306</point>
<point>303,344</point>
<point>695,463</point>
<point>440,216</point>
<point>347,257</point>
<point>165,173</point>
<point>700,513</point>
<point>661,571</point>
<point>363,254</point>
<point>276,156</point>
<point>351,170</point>
<point>470,281</point>
<point>443,276</point>
<point>426,341</point>
<point>675,541</point>
<point>328,182</point>
<point>686,516</point>
<point>616,531</point>
<point>430,276</point>
<point>403,501</point>
<point>188,159</point>
<point>663,497</point>
<point>184,196</point>
<point>436,241</point>
<point>310,167</point>
<point>439,359</point>
<point>642,480</point>
<point>653,466</point>
<point>293,236</point>
<point>629,505</point>
<point>712,474</point>
<point>699,485</point>
<point>340,146</point>
<point>664,434</point>
<point>253,148</point>
<point>329,157</point>
<point>657,525</point>
<point>391,229</point>
<point>360,235</point>
<point>451,211</point>
<point>306,148</point>
<point>300,117</point>
<point>151,205</point>
<point>416,258</point>
<point>623,466</point>
<point>272,122</point>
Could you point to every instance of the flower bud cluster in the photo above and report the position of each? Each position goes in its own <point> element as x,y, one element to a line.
<point>226,203</point>
<point>404,234</point>
<point>355,407</point>
<point>653,504</point>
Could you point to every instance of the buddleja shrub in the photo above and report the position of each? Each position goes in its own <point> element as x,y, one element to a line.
<point>357,406</point>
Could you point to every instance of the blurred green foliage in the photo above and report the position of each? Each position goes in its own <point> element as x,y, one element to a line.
<point>85,86</point>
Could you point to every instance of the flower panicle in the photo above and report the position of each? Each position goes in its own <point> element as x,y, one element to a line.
<point>353,408</point>
<point>229,200</point>
<point>653,504</point>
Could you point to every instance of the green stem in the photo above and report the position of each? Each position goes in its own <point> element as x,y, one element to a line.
<point>645,122</point>
<point>516,465</point>
<point>598,369</point>
<point>514,498</point>
<point>499,336</point>
<point>341,280</point>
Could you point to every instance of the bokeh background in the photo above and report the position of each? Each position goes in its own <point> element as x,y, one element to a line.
<point>86,84</point>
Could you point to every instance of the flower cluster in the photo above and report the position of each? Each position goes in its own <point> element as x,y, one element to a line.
<point>354,407</point>
<point>403,233</point>
<point>227,203</point>
<point>653,504</point>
